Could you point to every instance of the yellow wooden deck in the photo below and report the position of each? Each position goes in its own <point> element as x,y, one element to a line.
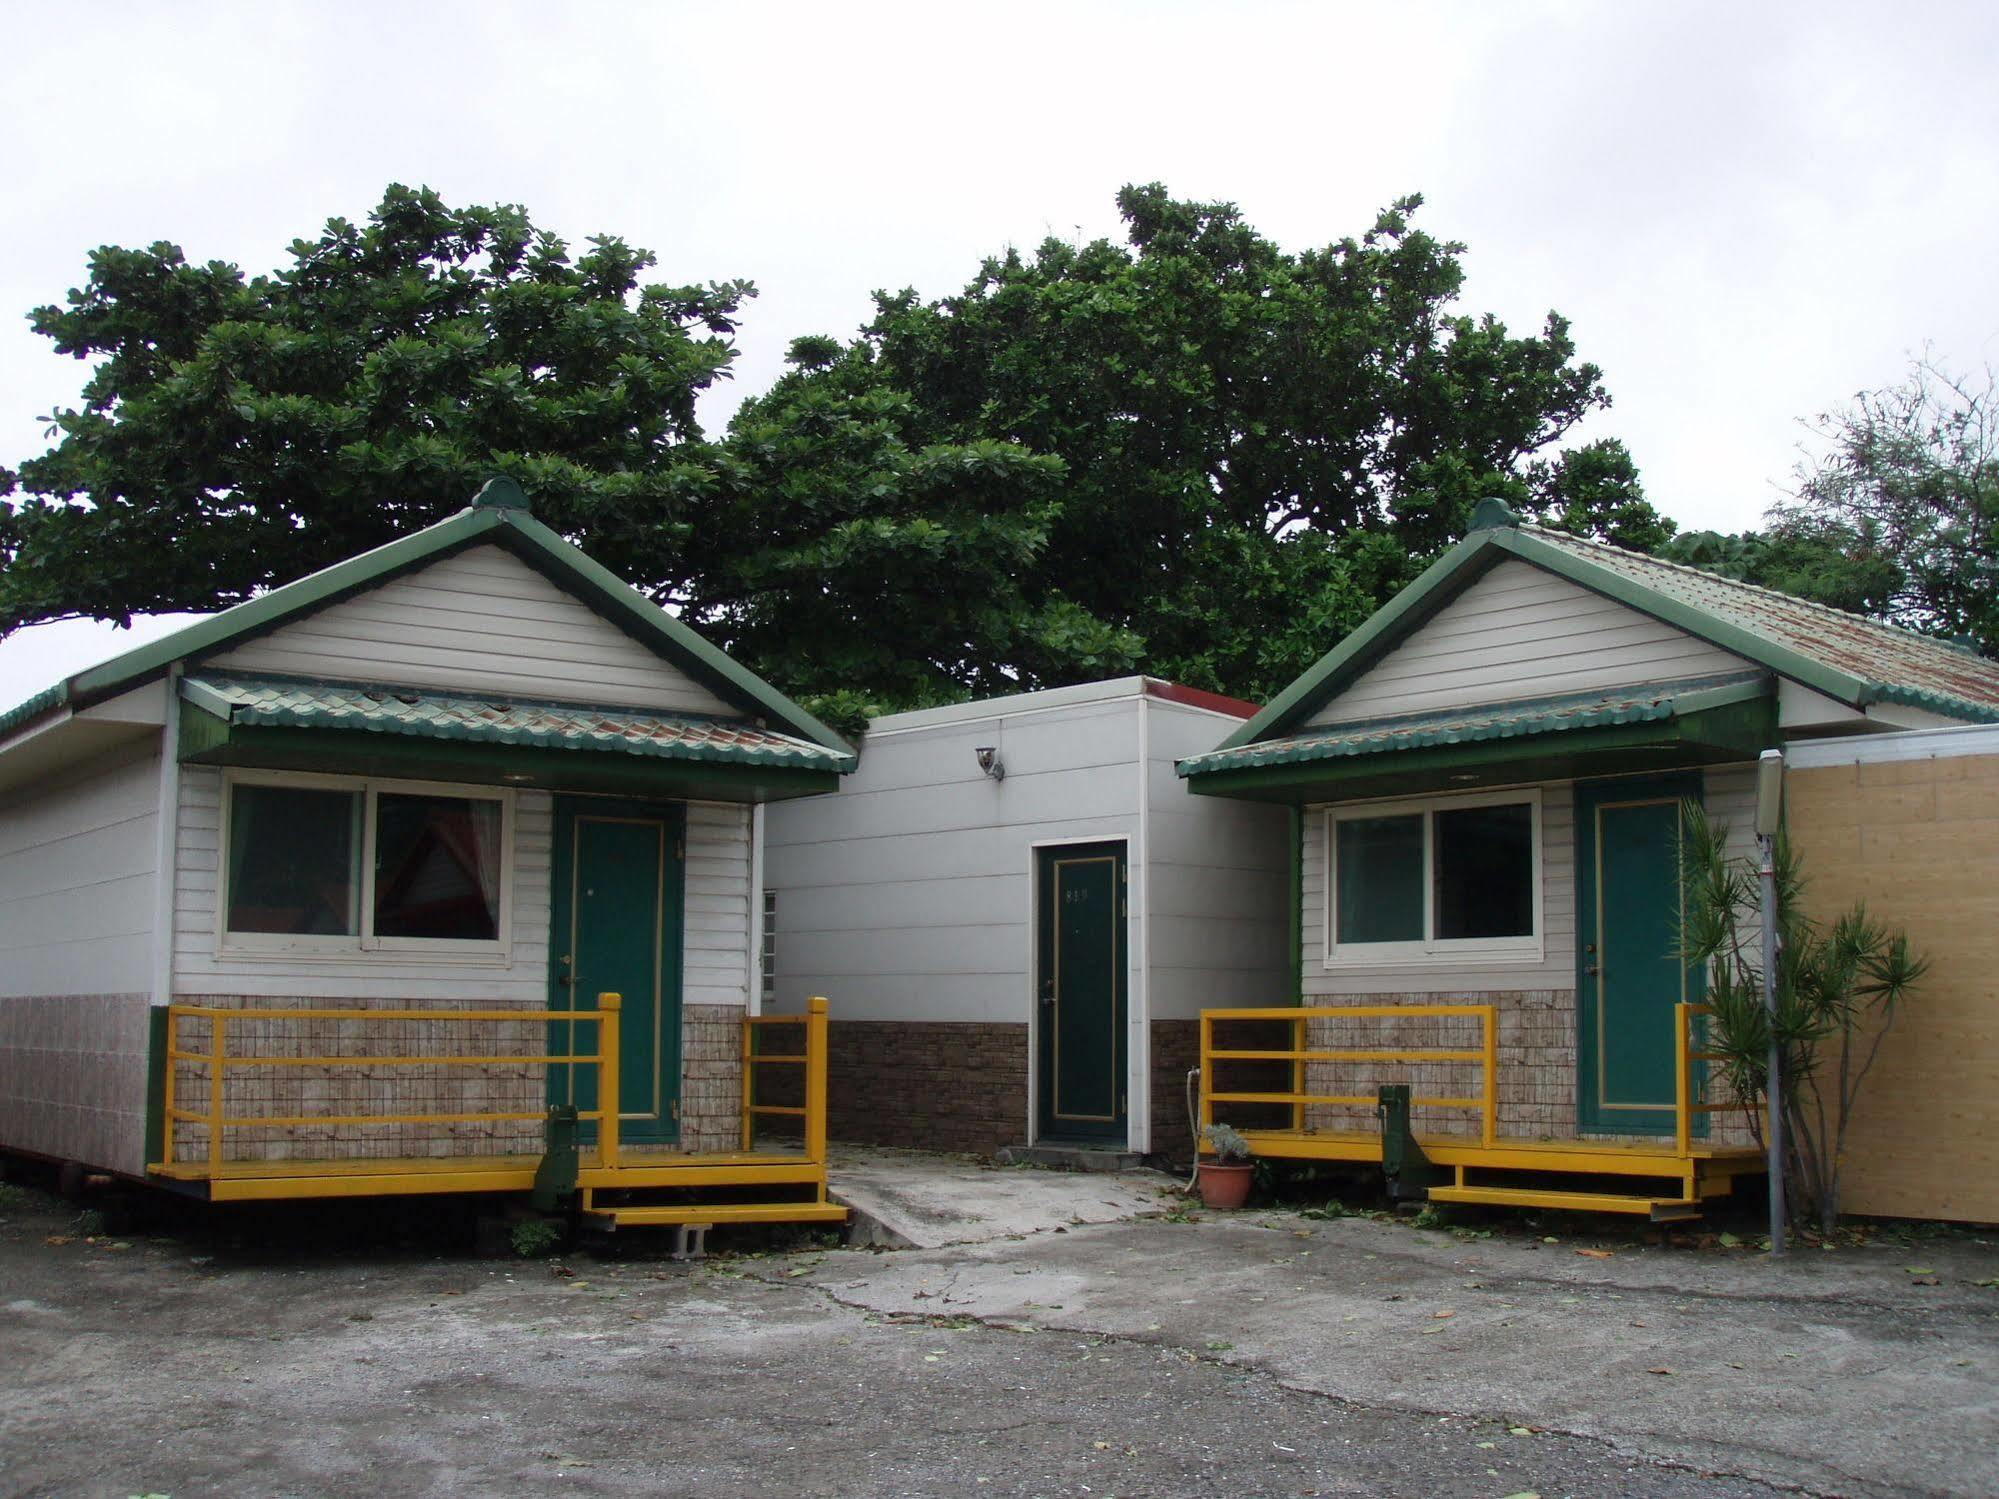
<point>616,1184</point>
<point>1664,1178</point>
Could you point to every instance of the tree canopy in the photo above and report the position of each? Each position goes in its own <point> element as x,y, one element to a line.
<point>1256,449</point>
<point>238,433</point>
<point>1189,452</point>
<point>1894,513</point>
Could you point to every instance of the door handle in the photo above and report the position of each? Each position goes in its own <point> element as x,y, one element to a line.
<point>1048,991</point>
<point>1590,969</point>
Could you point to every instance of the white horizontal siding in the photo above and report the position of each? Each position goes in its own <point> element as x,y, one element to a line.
<point>1216,881</point>
<point>716,941</point>
<point>1521,632</point>
<point>199,969</point>
<point>78,857</point>
<point>1728,794</point>
<point>1555,970</point>
<point>481,621</point>
<point>908,895</point>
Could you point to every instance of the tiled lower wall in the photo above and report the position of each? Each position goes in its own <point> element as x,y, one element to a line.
<point>711,1049</point>
<point>1536,1065</point>
<point>711,1088</point>
<point>927,1085</point>
<point>73,1078</point>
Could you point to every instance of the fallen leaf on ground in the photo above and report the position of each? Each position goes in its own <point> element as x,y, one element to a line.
<point>1597,1254</point>
<point>1446,1312</point>
<point>1919,1269</point>
<point>1662,1369</point>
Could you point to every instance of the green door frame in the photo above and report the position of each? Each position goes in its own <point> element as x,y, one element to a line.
<point>1595,1112</point>
<point>1103,1068</point>
<point>662,1027</point>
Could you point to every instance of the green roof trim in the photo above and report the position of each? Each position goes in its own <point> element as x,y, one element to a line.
<point>1852,660</point>
<point>1519,719</point>
<point>44,702</point>
<point>271,702</point>
<point>1722,733</point>
<point>500,516</point>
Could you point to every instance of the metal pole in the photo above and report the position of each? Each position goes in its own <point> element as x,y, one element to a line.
<point>1773,1090</point>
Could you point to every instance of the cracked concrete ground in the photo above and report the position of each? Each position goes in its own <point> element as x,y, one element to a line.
<point>1843,1372</point>
<point>1263,1354</point>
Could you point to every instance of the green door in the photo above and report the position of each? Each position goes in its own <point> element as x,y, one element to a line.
<point>1627,978</point>
<point>615,928</point>
<point>1081,981</point>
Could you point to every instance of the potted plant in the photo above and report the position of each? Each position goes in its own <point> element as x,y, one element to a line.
<point>1225,1178</point>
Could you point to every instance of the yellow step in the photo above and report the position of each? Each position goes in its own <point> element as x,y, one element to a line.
<point>1658,1209</point>
<point>706,1215</point>
<point>702,1174</point>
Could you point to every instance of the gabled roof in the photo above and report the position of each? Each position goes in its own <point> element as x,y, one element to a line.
<point>498,516</point>
<point>1852,660</point>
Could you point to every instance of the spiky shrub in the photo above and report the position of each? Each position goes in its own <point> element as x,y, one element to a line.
<point>1227,1142</point>
<point>1839,988</point>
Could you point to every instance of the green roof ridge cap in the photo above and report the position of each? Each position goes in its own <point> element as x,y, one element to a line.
<point>502,493</point>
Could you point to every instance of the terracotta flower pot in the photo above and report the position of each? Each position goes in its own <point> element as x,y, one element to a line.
<point>1224,1187</point>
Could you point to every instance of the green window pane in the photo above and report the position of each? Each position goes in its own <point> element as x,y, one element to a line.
<point>293,865</point>
<point>1485,872</point>
<point>437,867</point>
<point>1380,879</point>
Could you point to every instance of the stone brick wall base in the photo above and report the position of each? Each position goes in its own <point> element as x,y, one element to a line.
<point>1176,1047</point>
<point>927,1085</point>
<point>711,1077</point>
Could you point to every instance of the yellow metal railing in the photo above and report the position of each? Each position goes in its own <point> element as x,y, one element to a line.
<point>209,1109</point>
<point>1484,1056</point>
<point>218,1121</point>
<point>809,1057</point>
<point>1687,1095</point>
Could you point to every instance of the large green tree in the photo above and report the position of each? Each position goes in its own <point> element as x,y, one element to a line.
<point>237,432</point>
<point>1192,452</point>
<point>1257,446</point>
<point>1894,513</point>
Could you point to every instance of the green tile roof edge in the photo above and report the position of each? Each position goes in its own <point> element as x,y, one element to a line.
<point>205,697</point>
<point>1495,539</point>
<point>44,702</point>
<point>1523,719</point>
<point>498,513</point>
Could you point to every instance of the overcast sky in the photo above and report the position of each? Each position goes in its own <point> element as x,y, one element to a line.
<point>1748,211</point>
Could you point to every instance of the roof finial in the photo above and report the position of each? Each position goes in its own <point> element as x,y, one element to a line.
<point>1492,514</point>
<point>501,493</point>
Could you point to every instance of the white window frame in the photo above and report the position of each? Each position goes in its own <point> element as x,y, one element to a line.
<point>1431,951</point>
<point>364,945</point>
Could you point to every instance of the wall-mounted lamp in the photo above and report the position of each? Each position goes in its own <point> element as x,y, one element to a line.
<point>990,762</point>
